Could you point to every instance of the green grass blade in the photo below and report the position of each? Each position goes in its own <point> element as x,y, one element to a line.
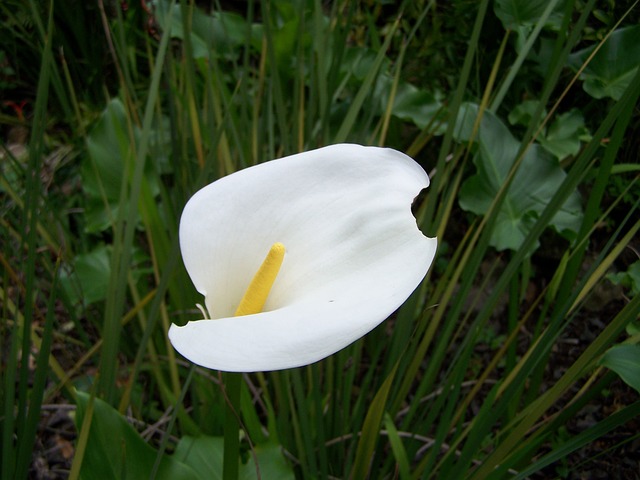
<point>124,237</point>
<point>232,386</point>
<point>365,90</point>
<point>530,415</point>
<point>397,447</point>
<point>603,427</point>
<point>16,461</point>
<point>522,55</point>
<point>28,437</point>
<point>370,430</point>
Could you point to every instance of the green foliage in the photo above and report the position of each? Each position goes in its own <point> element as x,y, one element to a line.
<point>629,279</point>
<point>130,112</point>
<point>90,278</point>
<point>625,361</point>
<point>219,33</point>
<point>612,66</point>
<point>535,182</point>
<point>515,14</point>
<point>564,137</point>
<point>114,449</point>
<point>371,425</point>
<point>110,152</point>
<point>204,456</point>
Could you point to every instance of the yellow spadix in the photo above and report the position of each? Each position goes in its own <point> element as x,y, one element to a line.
<point>256,295</point>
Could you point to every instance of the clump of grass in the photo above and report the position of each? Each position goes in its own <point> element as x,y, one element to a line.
<point>459,383</point>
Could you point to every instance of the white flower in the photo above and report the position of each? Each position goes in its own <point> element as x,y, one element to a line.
<point>353,255</point>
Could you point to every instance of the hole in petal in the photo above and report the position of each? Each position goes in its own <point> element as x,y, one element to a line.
<point>417,207</point>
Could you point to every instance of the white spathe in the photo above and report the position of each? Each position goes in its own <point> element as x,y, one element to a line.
<point>353,255</point>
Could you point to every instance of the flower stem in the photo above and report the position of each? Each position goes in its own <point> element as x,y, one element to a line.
<point>232,385</point>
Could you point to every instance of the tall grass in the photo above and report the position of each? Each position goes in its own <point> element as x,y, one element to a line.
<point>460,382</point>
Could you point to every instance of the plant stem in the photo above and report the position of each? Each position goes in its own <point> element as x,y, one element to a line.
<point>232,385</point>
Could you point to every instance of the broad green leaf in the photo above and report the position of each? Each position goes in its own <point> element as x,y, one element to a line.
<point>111,145</point>
<point>535,182</point>
<point>108,145</point>
<point>205,456</point>
<point>115,450</point>
<point>523,113</point>
<point>89,280</point>
<point>360,61</point>
<point>520,13</point>
<point>633,328</point>
<point>542,55</point>
<point>288,39</point>
<point>565,135</point>
<point>110,149</point>
<point>613,66</point>
<point>410,103</point>
<point>629,279</point>
<point>219,34</point>
<point>625,361</point>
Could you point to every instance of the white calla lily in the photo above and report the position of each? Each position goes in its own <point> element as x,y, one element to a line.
<point>353,255</point>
